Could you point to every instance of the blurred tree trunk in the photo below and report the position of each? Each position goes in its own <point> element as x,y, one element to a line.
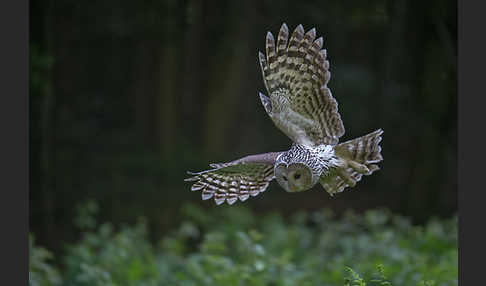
<point>395,64</point>
<point>46,116</point>
<point>167,61</point>
<point>141,89</point>
<point>195,73</point>
<point>228,72</point>
<point>426,108</point>
<point>436,78</point>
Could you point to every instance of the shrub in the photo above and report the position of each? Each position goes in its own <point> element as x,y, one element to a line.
<point>231,246</point>
<point>41,273</point>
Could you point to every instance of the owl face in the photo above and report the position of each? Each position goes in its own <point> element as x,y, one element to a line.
<point>295,177</point>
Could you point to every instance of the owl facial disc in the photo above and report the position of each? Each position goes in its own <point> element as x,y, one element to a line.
<point>294,178</point>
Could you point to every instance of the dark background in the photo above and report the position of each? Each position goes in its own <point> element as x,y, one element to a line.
<point>126,96</point>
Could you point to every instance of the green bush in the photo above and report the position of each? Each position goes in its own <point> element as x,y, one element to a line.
<point>232,246</point>
<point>41,273</point>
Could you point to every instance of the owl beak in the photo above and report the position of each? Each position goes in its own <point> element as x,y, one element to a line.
<point>292,188</point>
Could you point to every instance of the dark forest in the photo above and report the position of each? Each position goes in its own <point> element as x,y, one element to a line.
<point>126,96</point>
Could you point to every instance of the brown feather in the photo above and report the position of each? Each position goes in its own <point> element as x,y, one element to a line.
<point>296,79</point>
<point>238,179</point>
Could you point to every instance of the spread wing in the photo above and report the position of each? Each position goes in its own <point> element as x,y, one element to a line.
<point>235,180</point>
<point>361,156</point>
<point>296,73</point>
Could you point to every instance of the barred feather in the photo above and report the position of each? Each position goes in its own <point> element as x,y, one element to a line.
<point>333,183</point>
<point>233,182</point>
<point>282,43</point>
<point>271,53</point>
<point>364,150</point>
<point>296,78</point>
<point>360,156</point>
<point>337,181</point>
<point>239,179</point>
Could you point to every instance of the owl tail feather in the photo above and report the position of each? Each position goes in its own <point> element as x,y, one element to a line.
<point>360,155</point>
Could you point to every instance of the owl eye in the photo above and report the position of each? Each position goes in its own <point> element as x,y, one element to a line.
<point>297,176</point>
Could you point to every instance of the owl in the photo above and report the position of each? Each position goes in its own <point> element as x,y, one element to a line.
<point>295,73</point>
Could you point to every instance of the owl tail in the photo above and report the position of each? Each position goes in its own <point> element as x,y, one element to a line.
<point>360,155</point>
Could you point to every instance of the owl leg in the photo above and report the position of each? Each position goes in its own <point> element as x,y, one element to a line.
<point>346,177</point>
<point>358,167</point>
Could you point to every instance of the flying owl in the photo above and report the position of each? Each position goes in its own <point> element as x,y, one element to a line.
<point>295,74</point>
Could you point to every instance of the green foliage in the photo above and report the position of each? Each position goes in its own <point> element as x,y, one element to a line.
<point>232,246</point>
<point>41,273</point>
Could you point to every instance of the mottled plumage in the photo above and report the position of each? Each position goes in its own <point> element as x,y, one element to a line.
<point>234,180</point>
<point>295,73</point>
<point>360,156</point>
<point>300,103</point>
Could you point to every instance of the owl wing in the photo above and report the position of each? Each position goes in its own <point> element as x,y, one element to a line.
<point>360,155</point>
<point>237,179</point>
<point>296,76</point>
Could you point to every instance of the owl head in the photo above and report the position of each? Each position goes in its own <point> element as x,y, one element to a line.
<point>294,177</point>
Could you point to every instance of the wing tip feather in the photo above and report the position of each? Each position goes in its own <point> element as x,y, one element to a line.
<point>299,28</point>
<point>261,55</point>
<point>312,32</point>
<point>270,38</point>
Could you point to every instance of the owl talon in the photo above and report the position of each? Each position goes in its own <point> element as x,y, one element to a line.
<point>360,168</point>
<point>346,177</point>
